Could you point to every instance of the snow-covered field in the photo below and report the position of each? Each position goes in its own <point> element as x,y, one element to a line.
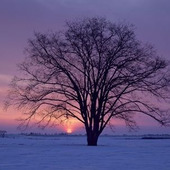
<point>71,153</point>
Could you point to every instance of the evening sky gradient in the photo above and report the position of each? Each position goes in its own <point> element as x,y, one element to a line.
<point>19,19</point>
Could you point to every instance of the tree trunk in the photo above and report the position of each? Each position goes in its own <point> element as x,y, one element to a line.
<point>92,139</point>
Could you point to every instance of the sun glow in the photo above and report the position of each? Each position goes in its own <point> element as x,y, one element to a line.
<point>71,125</point>
<point>69,131</point>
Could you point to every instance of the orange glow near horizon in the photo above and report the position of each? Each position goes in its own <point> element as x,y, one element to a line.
<point>8,120</point>
<point>71,125</point>
<point>69,130</point>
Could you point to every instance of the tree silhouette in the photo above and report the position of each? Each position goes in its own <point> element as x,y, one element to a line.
<point>94,71</point>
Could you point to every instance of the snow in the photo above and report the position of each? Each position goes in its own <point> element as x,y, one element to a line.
<point>71,153</point>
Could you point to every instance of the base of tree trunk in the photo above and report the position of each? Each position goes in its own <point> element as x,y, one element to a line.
<point>92,144</point>
<point>92,140</point>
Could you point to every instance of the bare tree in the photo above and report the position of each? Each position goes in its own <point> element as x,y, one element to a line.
<point>95,71</point>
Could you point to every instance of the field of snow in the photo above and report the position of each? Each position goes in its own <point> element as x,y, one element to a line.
<point>71,153</point>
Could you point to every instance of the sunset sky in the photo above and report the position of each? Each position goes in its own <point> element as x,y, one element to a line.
<point>19,19</point>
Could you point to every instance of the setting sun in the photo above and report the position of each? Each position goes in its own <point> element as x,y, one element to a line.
<point>69,130</point>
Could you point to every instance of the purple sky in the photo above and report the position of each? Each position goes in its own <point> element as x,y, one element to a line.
<point>20,18</point>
